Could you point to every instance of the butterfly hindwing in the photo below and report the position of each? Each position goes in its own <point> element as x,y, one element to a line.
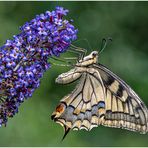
<point>83,105</point>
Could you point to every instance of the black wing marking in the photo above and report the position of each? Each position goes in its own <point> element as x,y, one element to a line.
<point>124,108</point>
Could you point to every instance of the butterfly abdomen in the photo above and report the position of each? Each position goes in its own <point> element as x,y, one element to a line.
<point>68,77</point>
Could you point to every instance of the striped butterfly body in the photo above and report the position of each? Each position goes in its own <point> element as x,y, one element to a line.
<point>100,98</point>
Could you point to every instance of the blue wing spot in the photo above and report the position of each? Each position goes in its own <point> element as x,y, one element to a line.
<point>101,104</point>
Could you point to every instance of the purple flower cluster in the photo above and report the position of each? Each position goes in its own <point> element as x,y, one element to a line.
<point>24,59</point>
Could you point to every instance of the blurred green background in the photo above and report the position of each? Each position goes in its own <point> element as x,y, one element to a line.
<point>127,56</point>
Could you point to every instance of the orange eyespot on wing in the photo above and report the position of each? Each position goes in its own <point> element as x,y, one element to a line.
<point>60,108</point>
<point>58,111</point>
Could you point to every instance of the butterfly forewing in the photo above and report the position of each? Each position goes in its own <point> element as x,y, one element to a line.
<point>135,113</point>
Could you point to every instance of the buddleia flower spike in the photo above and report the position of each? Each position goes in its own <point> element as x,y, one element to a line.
<point>24,59</point>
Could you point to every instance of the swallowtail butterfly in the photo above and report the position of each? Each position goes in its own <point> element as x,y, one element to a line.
<point>100,98</point>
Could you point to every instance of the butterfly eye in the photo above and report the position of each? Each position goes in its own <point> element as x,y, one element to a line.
<point>95,53</point>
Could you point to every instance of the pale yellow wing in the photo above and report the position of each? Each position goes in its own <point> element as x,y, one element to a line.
<point>124,109</point>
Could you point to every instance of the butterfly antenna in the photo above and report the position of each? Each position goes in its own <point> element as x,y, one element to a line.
<point>104,44</point>
<point>66,131</point>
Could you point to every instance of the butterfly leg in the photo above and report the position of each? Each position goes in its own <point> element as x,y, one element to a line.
<point>68,63</point>
<point>81,51</point>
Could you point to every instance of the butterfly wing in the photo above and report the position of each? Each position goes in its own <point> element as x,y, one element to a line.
<point>123,106</point>
<point>102,98</point>
<point>83,108</point>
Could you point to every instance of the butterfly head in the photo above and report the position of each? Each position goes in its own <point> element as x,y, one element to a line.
<point>92,58</point>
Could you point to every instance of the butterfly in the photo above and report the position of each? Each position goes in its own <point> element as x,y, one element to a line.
<point>100,98</point>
